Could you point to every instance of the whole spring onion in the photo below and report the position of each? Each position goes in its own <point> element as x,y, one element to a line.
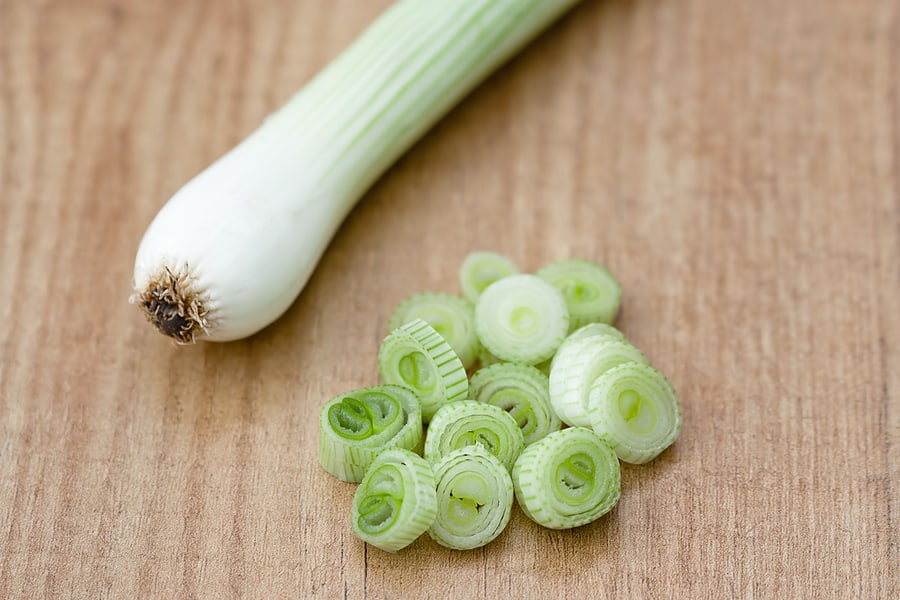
<point>521,390</point>
<point>396,501</point>
<point>451,316</point>
<point>474,495</point>
<point>356,426</point>
<point>568,479</point>
<point>577,366</point>
<point>592,294</point>
<point>481,269</point>
<point>521,318</point>
<point>232,249</point>
<point>635,409</point>
<point>416,356</point>
<point>470,423</point>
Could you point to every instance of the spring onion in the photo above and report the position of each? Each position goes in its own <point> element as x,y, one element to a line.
<point>575,368</point>
<point>481,269</point>
<point>467,423</point>
<point>635,409</point>
<point>451,316</point>
<point>416,356</point>
<point>568,479</point>
<point>592,293</point>
<point>356,426</point>
<point>229,253</point>
<point>474,495</point>
<point>396,501</point>
<point>522,391</point>
<point>521,319</point>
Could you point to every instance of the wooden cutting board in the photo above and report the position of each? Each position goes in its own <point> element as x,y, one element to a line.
<point>735,164</point>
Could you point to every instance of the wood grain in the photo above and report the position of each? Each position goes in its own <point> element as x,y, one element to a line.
<point>735,164</point>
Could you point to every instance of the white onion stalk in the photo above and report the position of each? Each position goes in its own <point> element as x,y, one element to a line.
<point>229,253</point>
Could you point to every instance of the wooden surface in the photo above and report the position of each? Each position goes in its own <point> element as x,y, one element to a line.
<point>736,164</point>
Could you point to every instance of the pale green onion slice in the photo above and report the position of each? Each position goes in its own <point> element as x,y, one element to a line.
<point>416,356</point>
<point>587,331</point>
<point>474,495</point>
<point>481,269</point>
<point>568,479</point>
<point>594,330</point>
<point>396,501</point>
<point>356,426</point>
<point>521,319</point>
<point>636,410</point>
<point>521,390</point>
<point>592,294</point>
<point>575,368</point>
<point>468,423</point>
<point>451,316</point>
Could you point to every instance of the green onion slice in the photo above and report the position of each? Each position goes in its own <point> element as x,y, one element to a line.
<point>568,479</point>
<point>575,368</point>
<point>481,269</point>
<point>474,495</point>
<point>636,410</point>
<point>522,391</point>
<point>354,427</point>
<point>593,330</point>
<point>467,423</point>
<point>592,294</point>
<point>521,319</point>
<point>587,331</point>
<point>451,316</point>
<point>396,501</point>
<point>416,356</point>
